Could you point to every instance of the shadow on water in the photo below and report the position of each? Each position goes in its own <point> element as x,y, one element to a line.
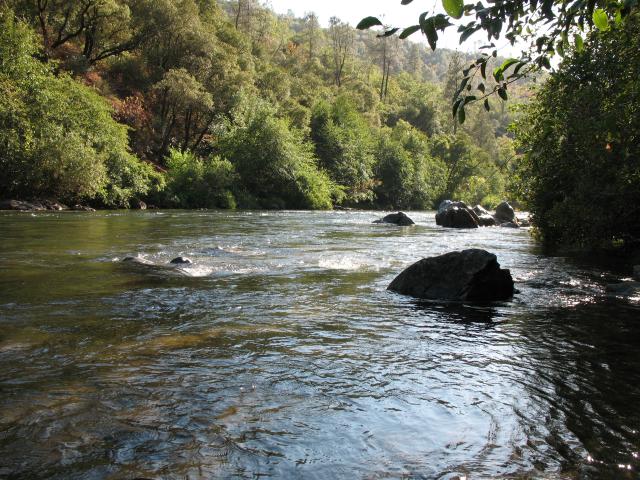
<point>583,385</point>
<point>460,312</point>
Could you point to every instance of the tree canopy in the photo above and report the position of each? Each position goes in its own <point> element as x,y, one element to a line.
<point>203,103</point>
<point>544,29</point>
<point>580,171</point>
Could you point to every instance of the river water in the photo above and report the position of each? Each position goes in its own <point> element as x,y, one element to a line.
<point>282,355</point>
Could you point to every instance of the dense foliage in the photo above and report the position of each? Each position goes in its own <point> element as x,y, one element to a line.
<point>198,103</point>
<point>57,137</point>
<point>544,27</point>
<point>581,170</point>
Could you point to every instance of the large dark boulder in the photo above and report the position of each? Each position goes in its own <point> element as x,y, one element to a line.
<point>480,210</point>
<point>485,219</point>
<point>399,218</point>
<point>505,213</point>
<point>470,275</point>
<point>456,215</point>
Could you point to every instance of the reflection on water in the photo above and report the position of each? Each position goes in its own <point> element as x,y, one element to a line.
<point>283,355</point>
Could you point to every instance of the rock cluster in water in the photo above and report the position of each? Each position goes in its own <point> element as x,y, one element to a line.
<point>400,218</point>
<point>459,215</point>
<point>40,206</point>
<point>469,275</point>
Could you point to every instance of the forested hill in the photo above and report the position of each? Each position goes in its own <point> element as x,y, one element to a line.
<point>197,103</point>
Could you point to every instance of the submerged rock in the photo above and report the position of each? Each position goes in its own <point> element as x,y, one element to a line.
<point>161,269</point>
<point>486,220</point>
<point>399,218</point>
<point>138,260</point>
<point>181,261</point>
<point>456,215</point>
<point>509,225</point>
<point>623,289</point>
<point>471,275</point>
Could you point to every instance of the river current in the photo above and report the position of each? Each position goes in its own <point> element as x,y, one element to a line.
<point>282,354</point>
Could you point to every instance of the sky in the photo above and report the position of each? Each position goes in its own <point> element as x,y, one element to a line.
<point>391,12</point>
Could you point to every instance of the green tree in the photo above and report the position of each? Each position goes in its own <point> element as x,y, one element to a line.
<point>549,27</point>
<point>186,110</point>
<point>344,146</point>
<point>193,182</point>
<point>581,141</point>
<point>461,158</point>
<point>57,137</point>
<point>409,178</point>
<point>276,166</point>
<point>102,28</point>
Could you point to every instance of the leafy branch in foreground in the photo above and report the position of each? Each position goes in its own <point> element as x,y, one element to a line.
<point>548,27</point>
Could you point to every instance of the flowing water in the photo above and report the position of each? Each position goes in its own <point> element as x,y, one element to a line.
<point>280,354</point>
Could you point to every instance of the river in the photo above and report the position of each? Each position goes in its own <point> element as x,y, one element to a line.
<point>282,355</point>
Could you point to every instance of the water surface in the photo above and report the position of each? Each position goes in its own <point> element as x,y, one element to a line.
<point>282,355</point>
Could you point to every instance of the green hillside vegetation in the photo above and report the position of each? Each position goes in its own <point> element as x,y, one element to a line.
<point>197,103</point>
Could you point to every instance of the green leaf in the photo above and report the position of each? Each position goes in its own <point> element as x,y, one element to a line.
<point>429,29</point>
<point>456,104</point>
<point>483,70</point>
<point>454,8</point>
<point>368,22</point>
<point>579,43</point>
<point>487,105</point>
<point>388,33</point>
<point>441,22</point>
<point>409,31</point>
<point>463,84</point>
<point>461,115</point>
<point>518,68</point>
<point>618,18</point>
<point>498,73</point>
<point>481,87</point>
<point>503,94</point>
<point>406,2</point>
<point>467,32</point>
<point>600,19</point>
<point>507,63</point>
